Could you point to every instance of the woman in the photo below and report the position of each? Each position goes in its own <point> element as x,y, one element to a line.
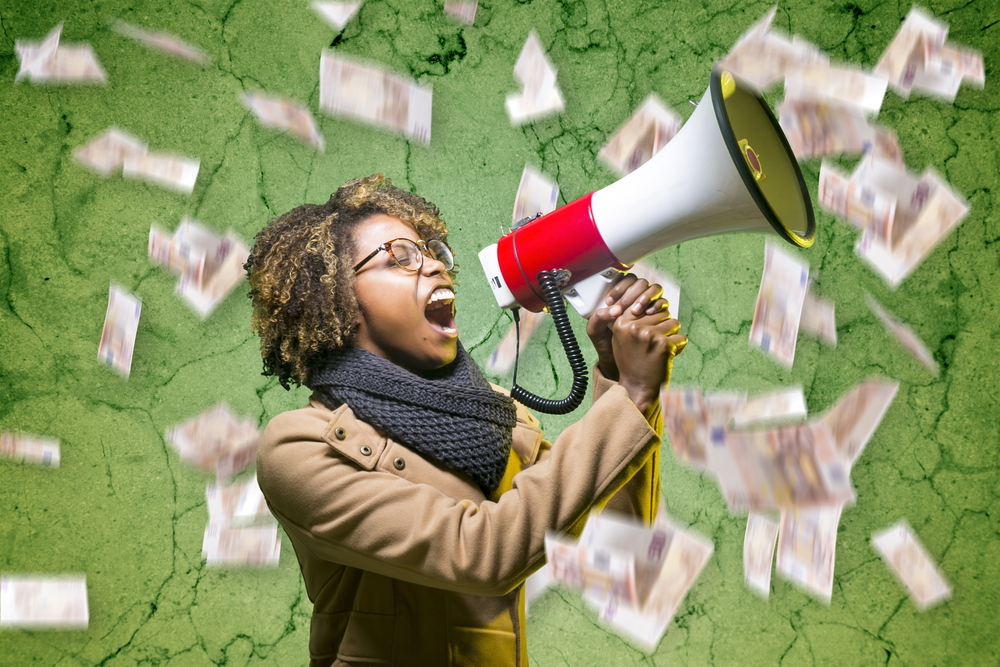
<point>416,494</point>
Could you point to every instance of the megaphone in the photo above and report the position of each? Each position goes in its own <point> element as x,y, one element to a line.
<point>729,169</point>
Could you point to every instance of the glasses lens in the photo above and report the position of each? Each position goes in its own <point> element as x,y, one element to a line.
<point>441,253</point>
<point>406,254</point>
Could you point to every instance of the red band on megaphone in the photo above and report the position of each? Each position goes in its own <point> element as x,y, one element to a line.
<point>567,238</point>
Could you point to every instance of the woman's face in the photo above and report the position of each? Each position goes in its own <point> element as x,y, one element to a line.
<point>396,323</point>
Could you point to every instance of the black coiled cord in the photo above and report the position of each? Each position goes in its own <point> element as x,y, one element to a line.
<point>579,389</point>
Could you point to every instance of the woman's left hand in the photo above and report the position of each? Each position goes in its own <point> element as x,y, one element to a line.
<point>629,292</point>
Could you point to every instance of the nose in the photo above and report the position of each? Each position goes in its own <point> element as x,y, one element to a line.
<point>432,267</point>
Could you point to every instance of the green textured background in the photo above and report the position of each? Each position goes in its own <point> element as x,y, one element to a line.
<point>125,511</point>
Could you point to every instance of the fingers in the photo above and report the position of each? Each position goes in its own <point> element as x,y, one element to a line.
<point>676,344</point>
<point>620,288</point>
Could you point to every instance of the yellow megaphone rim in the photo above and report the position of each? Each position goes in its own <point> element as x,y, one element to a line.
<point>723,84</point>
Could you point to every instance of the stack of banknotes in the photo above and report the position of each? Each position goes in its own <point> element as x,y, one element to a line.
<point>49,63</point>
<point>635,577</point>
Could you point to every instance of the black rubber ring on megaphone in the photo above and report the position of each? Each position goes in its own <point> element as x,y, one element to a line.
<point>732,144</point>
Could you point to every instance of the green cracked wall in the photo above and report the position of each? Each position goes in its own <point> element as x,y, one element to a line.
<point>125,511</point>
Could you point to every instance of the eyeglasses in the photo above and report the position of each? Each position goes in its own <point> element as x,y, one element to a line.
<point>409,255</point>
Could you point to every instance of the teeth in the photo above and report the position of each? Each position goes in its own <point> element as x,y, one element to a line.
<point>441,293</point>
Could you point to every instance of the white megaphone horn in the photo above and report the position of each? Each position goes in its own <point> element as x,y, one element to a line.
<point>729,169</point>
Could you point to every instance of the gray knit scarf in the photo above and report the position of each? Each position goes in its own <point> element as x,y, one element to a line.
<point>451,414</point>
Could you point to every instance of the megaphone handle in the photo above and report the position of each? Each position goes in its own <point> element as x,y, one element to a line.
<point>550,289</point>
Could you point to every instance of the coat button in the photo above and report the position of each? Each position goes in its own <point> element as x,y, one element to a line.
<point>366,450</point>
<point>340,433</point>
<point>399,463</point>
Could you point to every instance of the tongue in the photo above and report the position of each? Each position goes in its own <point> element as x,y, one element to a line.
<point>440,315</point>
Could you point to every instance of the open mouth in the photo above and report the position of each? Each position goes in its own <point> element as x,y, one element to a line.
<point>440,311</point>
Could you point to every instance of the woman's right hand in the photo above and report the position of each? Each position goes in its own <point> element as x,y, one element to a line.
<point>645,344</point>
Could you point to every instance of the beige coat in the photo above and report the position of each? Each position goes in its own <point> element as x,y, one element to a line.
<point>406,562</point>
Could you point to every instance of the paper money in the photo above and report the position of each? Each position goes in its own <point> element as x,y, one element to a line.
<point>818,319</point>
<point>863,204</point>
<point>779,304</point>
<point>48,62</point>
<point>816,128</point>
<point>337,14</point>
<point>540,95</point>
<point>462,11</point>
<point>836,85</point>
<point>758,553</point>
<point>641,137</point>
<point>163,42</point>
<point>107,152</point>
<point>854,418</point>
<point>44,602</point>
<point>27,448</point>
<point>904,335</point>
<point>121,321</point>
<point>807,544</point>
<point>536,193</point>
<point>918,57</point>
<point>762,57</point>
<point>669,558</point>
<point>784,403</point>
<point>910,562</point>
<point>286,115</point>
<point>209,266</point>
<point>237,505</point>
<point>503,357</point>
<point>602,571</point>
<point>373,95</point>
<point>686,423</point>
<point>257,546</point>
<point>790,466</point>
<point>174,172</point>
<point>216,440</point>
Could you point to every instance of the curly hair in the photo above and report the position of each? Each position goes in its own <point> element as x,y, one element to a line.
<point>301,273</point>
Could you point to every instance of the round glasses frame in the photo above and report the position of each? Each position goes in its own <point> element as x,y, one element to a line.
<point>436,250</point>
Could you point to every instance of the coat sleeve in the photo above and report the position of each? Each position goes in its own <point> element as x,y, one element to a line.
<point>376,521</point>
<point>640,497</point>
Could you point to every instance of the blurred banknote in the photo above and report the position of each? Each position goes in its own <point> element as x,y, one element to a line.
<point>778,310</point>
<point>910,562</point>
<point>758,553</point>
<point>785,403</point>
<point>816,128</point>
<point>371,94</point>
<point>337,14</point>
<point>686,422</point>
<point>904,335</point>
<point>836,85</point>
<point>669,557</point>
<point>40,602</point>
<point>503,357</point>
<point>27,448</point>
<point>818,319</point>
<point>163,42</point>
<point>209,266</point>
<point>48,62</point>
<point>216,440</point>
<point>287,115</point>
<point>108,152</point>
<point>854,418</point>
<point>641,137</point>
<point>918,57</point>
<point>255,546</point>
<point>174,172</point>
<point>763,57</point>
<point>462,11</point>
<point>807,544</point>
<point>540,95</point>
<point>603,571</point>
<point>237,505</point>
<point>863,204</point>
<point>536,193</point>
<point>782,467</point>
<point>121,321</point>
